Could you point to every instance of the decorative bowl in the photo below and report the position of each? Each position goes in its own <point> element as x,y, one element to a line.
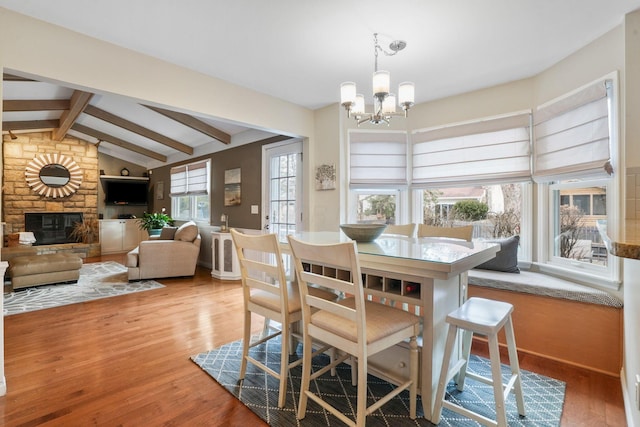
<point>363,232</point>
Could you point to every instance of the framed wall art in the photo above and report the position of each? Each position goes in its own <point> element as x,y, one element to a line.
<point>232,183</point>
<point>326,177</point>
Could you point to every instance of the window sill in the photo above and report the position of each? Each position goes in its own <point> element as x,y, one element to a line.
<point>589,279</point>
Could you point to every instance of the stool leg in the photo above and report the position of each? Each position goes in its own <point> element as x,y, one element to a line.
<point>467,337</point>
<point>515,365</point>
<point>496,374</point>
<point>444,374</point>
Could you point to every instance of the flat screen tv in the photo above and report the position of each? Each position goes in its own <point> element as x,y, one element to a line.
<point>126,192</point>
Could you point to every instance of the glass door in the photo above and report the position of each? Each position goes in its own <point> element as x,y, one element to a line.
<point>283,190</point>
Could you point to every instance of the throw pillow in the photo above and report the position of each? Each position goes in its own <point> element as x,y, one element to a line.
<point>167,233</point>
<point>187,232</point>
<point>507,259</point>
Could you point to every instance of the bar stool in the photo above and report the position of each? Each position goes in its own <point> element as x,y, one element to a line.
<point>483,317</point>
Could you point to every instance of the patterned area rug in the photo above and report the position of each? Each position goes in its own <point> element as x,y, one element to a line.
<point>544,397</point>
<point>97,280</point>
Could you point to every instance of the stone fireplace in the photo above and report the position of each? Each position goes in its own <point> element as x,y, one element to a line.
<point>18,198</point>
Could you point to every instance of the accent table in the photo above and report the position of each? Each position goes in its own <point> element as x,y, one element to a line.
<point>224,265</point>
<point>427,276</point>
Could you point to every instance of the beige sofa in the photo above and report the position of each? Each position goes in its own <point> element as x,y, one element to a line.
<point>173,254</point>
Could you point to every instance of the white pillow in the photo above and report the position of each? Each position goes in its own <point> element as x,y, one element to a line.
<point>187,232</point>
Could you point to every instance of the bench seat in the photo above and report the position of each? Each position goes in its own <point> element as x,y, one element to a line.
<point>558,319</point>
<point>542,284</point>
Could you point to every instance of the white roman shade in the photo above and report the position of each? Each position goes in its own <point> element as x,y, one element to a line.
<point>572,135</point>
<point>190,180</point>
<point>377,159</point>
<point>491,151</point>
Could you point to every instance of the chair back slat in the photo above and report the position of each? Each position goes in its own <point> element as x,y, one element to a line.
<point>342,256</point>
<point>343,287</point>
<point>263,274</point>
<point>408,230</point>
<point>464,232</point>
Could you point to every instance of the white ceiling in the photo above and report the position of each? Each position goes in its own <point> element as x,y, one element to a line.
<point>301,51</point>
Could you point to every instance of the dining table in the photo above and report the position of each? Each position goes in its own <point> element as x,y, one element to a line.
<point>427,276</point>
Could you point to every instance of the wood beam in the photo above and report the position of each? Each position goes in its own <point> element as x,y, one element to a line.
<point>50,124</point>
<point>13,78</point>
<point>35,104</point>
<point>79,101</point>
<point>194,123</point>
<point>117,141</point>
<point>135,128</point>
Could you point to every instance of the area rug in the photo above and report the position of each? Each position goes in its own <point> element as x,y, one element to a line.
<point>544,397</point>
<point>97,280</point>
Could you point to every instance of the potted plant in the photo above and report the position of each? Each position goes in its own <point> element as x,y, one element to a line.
<point>154,222</point>
<point>84,232</point>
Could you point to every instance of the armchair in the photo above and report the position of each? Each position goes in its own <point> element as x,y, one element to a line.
<point>167,256</point>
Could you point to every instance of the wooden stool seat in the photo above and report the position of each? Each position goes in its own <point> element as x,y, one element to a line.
<point>483,317</point>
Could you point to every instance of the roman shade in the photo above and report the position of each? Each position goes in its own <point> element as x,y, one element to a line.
<point>572,134</point>
<point>377,159</point>
<point>190,180</point>
<point>491,151</point>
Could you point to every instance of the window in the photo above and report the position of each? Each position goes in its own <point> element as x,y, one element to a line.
<point>575,226</point>
<point>377,177</point>
<point>376,206</point>
<point>495,211</point>
<point>190,191</point>
<point>475,173</point>
<point>574,148</point>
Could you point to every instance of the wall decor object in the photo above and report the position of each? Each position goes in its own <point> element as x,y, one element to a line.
<point>53,175</point>
<point>160,190</point>
<point>326,177</point>
<point>232,182</point>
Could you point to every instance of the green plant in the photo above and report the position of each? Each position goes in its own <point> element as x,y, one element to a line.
<point>470,210</point>
<point>156,220</point>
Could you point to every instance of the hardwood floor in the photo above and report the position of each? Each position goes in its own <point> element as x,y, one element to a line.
<point>125,361</point>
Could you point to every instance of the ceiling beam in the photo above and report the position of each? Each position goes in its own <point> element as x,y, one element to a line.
<point>31,125</point>
<point>79,101</point>
<point>101,136</point>
<point>195,124</point>
<point>35,104</point>
<point>13,78</point>
<point>135,128</point>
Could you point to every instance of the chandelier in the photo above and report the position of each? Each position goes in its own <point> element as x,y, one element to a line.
<point>384,102</point>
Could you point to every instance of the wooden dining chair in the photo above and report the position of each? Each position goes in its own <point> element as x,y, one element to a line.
<point>464,232</point>
<point>267,292</point>
<point>354,326</point>
<point>408,230</point>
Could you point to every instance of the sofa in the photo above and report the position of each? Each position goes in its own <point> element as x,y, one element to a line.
<point>173,254</point>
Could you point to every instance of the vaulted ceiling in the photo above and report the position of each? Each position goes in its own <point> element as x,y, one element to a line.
<point>122,127</point>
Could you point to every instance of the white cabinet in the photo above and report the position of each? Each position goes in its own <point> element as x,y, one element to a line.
<point>119,235</point>
<point>225,264</point>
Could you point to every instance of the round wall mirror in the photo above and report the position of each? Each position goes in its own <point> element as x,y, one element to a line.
<point>53,175</point>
